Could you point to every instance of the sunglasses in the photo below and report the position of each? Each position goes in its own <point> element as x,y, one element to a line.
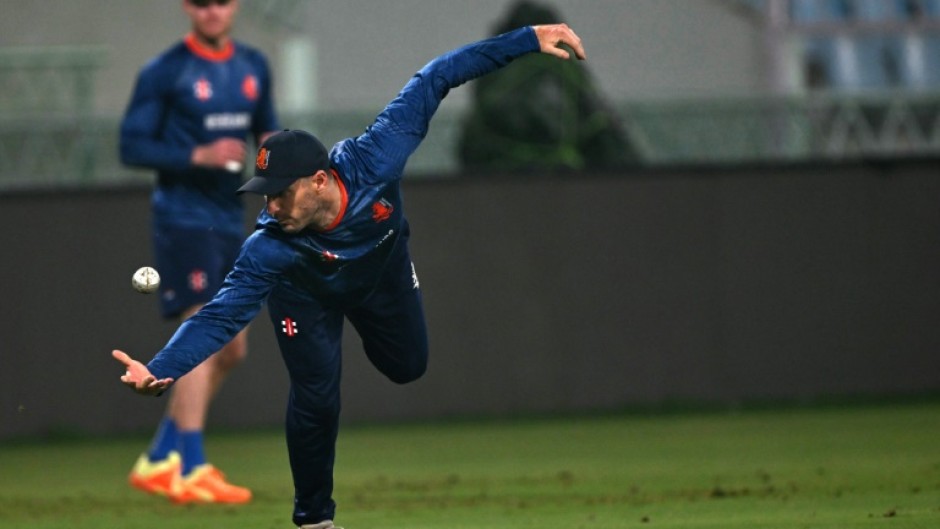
<point>207,3</point>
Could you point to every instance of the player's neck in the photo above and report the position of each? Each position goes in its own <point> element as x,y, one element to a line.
<point>216,44</point>
<point>199,47</point>
<point>330,209</point>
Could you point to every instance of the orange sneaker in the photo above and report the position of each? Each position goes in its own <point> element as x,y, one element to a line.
<point>155,477</point>
<point>206,484</point>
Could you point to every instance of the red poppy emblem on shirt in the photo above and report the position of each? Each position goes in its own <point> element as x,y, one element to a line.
<point>382,210</point>
<point>202,89</point>
<point>250,87</point>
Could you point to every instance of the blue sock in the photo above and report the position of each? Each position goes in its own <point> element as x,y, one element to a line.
<point>191,449</point>
<point>165,440</point>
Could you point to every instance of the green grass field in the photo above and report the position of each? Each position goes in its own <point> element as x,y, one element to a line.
<point>824,467</point>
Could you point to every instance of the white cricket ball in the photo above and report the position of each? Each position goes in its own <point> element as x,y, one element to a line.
<point>145,280</point>
<point>233,167</point>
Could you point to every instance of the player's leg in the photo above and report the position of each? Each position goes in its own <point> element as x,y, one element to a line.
<point>310,340</point>
<point>193,264</point>
<point>198,480</point>
<point>158,469</point>
<point>391,321</point>
<point>191,394</point>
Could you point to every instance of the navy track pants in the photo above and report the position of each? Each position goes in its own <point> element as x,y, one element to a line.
<point>390,322</point>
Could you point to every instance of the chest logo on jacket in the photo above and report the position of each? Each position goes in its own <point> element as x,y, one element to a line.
<point>382,210</point>
<point>202,90</point>
<point>250,87</point>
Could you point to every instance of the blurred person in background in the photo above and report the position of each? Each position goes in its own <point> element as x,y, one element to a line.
<point>541,114</point>
<point>190,116</point>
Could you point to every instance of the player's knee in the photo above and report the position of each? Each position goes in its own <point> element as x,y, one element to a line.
<point>409,372</point>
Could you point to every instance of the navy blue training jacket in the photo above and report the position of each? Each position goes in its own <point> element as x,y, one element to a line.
<point>339,265</point>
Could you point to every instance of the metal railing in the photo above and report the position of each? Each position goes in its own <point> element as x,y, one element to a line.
<point>827,127</point>
<point>44,80</point>
<point>83,150</point>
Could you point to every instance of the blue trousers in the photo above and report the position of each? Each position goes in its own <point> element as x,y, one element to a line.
<point>390,321</point>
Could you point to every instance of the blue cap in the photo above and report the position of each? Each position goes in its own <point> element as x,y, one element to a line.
<point>283,158</point>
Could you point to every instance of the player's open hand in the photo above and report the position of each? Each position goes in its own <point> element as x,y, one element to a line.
<point>550,36</point>
<point>138,377</point>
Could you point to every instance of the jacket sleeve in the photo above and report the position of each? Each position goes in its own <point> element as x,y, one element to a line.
<point>265,117</point>
<point>385,146</point>
<point>140,141</point>
<point>261,261</point>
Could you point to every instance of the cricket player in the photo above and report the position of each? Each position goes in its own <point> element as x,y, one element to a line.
<point>193,108</point>
<point>332,243</point>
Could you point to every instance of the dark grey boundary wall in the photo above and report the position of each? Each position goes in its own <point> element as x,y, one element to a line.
<point>559,294</point>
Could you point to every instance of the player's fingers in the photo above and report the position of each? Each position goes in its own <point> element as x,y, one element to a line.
<point>558,52</point>
<point>121,357</point>
<point>576,45</point>
<point>567,36</point>
<point>128,381</point>
<point>232,143</point>
<point>158,387</point>
<point>235,151</point>
<point>551,37</point>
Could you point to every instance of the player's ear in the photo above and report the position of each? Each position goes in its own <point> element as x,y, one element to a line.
<point>320,179</point>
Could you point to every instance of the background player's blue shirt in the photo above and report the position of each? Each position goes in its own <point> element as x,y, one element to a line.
<point>188,96</point>
<point>339,266</point>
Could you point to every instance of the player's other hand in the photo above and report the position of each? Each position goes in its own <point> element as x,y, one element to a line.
<point>219,153</point>
<point>138,377</point>
<point>551,35</point>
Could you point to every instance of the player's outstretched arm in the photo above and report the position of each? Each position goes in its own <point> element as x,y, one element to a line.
<point>138,377</point>
<point>550,36</point>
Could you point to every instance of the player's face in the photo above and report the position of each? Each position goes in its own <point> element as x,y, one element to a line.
<point>298,206</point>
<point>211,19</point>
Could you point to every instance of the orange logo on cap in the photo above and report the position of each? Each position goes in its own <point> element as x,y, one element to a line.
<point>262,160</point>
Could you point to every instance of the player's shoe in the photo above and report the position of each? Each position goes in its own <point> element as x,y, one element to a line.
<point>207,484</point>
<point>325,524</point>
<point>155,477</point>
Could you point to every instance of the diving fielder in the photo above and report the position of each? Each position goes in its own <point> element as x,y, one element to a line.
<point>332,243</point>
